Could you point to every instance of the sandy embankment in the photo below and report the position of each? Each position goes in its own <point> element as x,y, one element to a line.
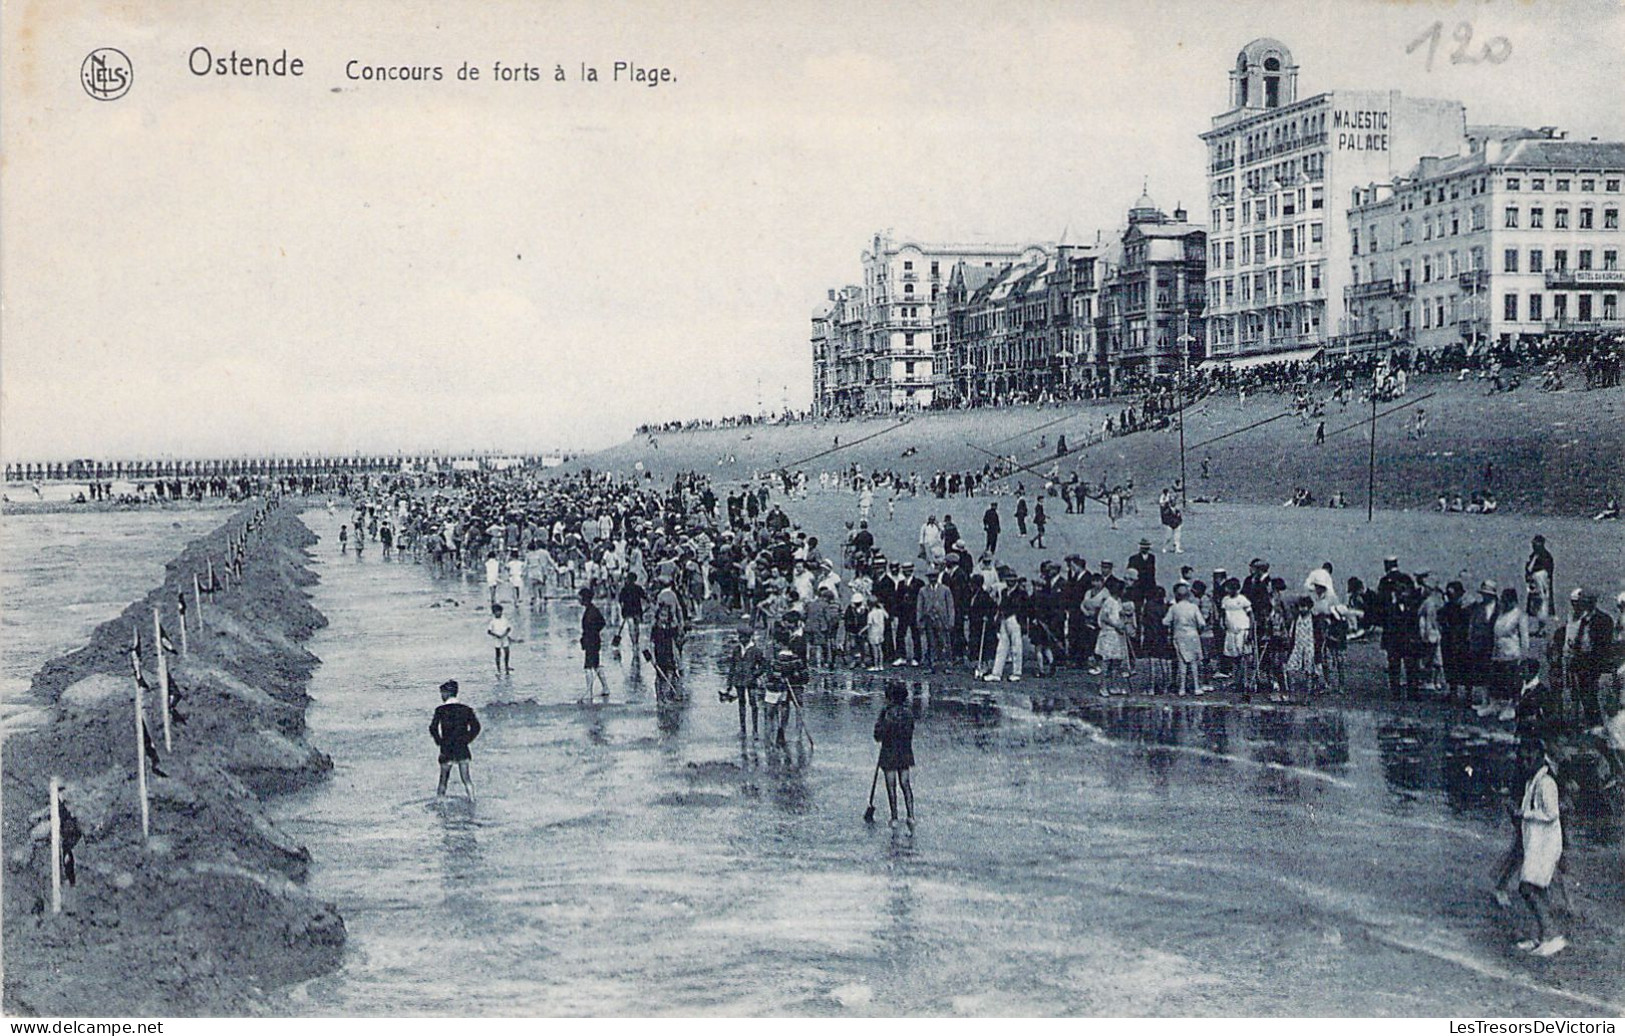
<point>212,911</point>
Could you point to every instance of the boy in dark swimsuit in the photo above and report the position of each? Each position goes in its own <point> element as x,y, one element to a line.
<point>453,728</point>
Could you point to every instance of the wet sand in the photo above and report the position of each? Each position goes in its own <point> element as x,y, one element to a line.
<point>1073,856</point>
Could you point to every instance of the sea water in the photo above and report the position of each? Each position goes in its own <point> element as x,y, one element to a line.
<point>64,574</point>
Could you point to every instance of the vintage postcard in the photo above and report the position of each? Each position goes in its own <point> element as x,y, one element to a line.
<point>814,510</point>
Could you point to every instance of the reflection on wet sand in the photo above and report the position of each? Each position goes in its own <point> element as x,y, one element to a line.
<point>1073,855</point>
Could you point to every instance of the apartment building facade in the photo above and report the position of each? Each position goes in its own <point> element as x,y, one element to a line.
<point>1520,236</point>
<point>1278,167</point>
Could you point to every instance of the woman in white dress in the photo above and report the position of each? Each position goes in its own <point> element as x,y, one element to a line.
<point>1111,645</point>
<point>1542,848</point>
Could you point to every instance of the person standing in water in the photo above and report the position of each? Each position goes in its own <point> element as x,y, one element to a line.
<point>592,643</point>
<point>453,728</point>
<point>501,630</point>
<point>894,729</point>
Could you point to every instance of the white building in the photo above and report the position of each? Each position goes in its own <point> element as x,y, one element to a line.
<point>1521,235</point>
<point>901,281</point>
<point>1279,171</point>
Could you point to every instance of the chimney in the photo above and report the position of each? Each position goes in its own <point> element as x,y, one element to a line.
<point>832,294</point>
<point>1179,212</point>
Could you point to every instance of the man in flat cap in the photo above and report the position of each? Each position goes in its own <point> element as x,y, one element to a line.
<point>1396,592</point>
<point>1583,647</point>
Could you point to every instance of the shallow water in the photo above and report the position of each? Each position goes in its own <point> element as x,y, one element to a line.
<point>1094,858</point>
<point>62,575</point>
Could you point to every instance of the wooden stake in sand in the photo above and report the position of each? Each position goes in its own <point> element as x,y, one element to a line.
<point>182,601</point>
<point>197,601</point>
<point>163,673</point>
<point>56,846</point>
<point>141,760</point>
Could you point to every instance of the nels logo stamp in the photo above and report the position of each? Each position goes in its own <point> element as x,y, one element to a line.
<point>106,74</point>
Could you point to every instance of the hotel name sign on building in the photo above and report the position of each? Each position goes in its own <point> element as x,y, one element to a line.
<point>1360,130</point>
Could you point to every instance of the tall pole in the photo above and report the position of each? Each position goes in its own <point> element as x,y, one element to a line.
<point>1371,462</point>
<point>1184,368</point>
<point>56,846</point>
<point>197,601</point>
<point>141,759</point>
<point>163,673</point>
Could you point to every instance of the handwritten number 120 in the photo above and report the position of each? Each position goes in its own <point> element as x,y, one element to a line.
<point>1495,50</point>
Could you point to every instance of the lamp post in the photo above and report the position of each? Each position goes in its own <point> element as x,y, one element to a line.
<point>1192,307</point>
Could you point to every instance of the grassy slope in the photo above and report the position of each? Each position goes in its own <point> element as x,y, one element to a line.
<point>1556,453</point>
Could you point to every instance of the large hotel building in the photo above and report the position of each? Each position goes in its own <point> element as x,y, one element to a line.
<point>1520,235</point>
<point>1352,218</point>
<point>1280,173</point>
<point>872,344</point>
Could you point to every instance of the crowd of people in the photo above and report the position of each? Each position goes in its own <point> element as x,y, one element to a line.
<point>648,562</point>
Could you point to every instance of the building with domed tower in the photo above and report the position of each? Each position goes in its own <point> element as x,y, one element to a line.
<point>1152,301</point>
<point>1281,172</point>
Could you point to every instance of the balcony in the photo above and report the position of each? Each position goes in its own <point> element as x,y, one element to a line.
<point>1369,289</point>
<point>1585,279</point>
<point>1381,336</point>
<point>1473,280</point>
<point>1567,324</point>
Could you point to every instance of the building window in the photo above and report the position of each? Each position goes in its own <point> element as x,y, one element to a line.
<point>1537,260</point>
<point>1613,186</point>
<point>1560,306</point>
<point>1588,185</point>
<point>1610,219</point>
<point>1560,219</point>
<point>1562,184</point>
<point>1560,259</point>
<point>1537,183</point>
<point>1585,259</point>
<point>1405,232</point>
<point>1509,307</point>
<point>1535,301</point>
<point>1512,217</point>
<point>908,264</point>
<point>1585,307</point>
<point>1455,223</point>
<point>1585,219</point>
<point>1478,218</point>
<point>1510,261</point>
<point>908,289</point>
<point>1610,307</point>
<point>1512,183</point>
<point>1610,259</point>
<point>1537,218</point>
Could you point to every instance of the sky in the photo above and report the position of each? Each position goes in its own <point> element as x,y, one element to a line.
<point>223,266</point>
